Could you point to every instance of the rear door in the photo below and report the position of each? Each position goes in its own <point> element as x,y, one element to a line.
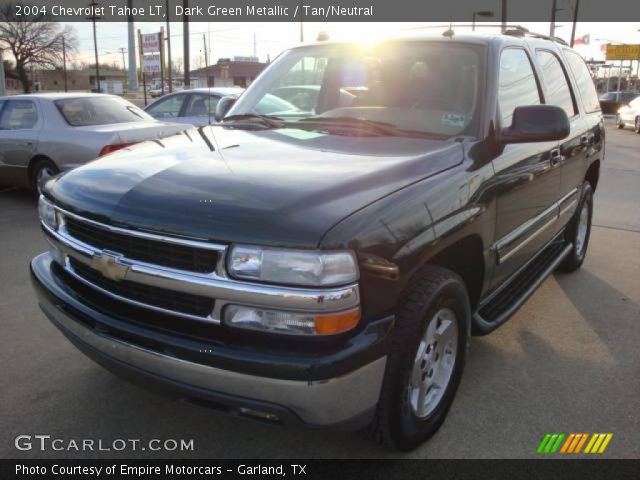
<point>20,123</point>
<point>528,186</point>
<point>592,139</point>
<point>571,154</point>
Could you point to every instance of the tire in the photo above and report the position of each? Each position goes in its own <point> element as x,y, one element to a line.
<point>399,422</point>
<point>574,234</point>
<point>636,127</point>
<point>619,122</point>
<point>42,169</point>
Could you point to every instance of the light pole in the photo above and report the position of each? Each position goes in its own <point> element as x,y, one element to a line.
<point>481,13</point>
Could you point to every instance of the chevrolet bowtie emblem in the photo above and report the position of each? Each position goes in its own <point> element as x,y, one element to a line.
<point>108,263</point>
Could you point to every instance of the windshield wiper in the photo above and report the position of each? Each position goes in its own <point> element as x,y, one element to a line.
<point>267,120</point>
<point>384,129</point>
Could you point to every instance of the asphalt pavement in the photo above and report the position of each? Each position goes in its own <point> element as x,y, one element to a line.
<point>568,361</point>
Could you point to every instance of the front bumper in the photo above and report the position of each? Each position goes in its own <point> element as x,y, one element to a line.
<point>347,399</point>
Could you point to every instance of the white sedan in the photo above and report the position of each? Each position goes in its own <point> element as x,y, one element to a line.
<point>629,115</point>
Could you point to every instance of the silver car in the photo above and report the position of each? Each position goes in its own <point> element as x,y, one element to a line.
<point>629,115</point>
<point>43,134</point>
<point>194,107</point>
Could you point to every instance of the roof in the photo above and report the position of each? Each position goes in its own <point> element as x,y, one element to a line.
<point>58,95</point>
<point>219,91</point>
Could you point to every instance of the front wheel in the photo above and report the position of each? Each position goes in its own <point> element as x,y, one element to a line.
<point>42,171</point>
<point>579,230</point>
<point>637,125</point>
<point>619,122</point>
<point>425,361</point>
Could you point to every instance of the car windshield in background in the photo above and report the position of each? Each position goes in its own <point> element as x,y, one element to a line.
<point>417,87</point>
<point>84,111</point>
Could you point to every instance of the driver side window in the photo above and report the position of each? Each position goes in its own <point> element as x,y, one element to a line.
<point>168,107</point>
<point>517,84</point>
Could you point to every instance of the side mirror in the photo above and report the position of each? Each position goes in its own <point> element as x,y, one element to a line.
<point>537,123</point>
<point>223,106</point>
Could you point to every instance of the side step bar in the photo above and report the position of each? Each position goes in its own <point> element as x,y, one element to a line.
<point>507,299</point>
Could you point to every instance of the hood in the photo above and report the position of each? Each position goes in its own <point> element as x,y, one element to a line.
<point>273,187</point>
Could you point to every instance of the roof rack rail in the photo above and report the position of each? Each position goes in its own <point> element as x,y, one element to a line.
<point>509,29</point>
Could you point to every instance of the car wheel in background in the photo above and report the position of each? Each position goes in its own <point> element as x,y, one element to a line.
<point>41,171</point>
<point>579,230</point>
<point>425,360</point>
<point>619,122</point>
<point>637,125</point>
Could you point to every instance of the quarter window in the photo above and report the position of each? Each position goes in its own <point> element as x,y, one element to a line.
<point>555,79</point>
<point>583,80</point>
<point>518,86</point>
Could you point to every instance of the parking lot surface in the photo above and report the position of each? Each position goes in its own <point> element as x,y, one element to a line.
<point>568,361</point>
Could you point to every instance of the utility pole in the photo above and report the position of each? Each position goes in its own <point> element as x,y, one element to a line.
<point>3,90</point>
<point>93,18</point>
<point>169,46</point>
<point>254,44</point>
<point>504,15</point>
<point>204,46</point>
<point>64,62</point>
<point>301,23</point>
<point>122,50</point>
<point>575,21</point>
<point>185,51</point>
<point>133,70</point>
<point>554,8</point>
<point>161,46</point>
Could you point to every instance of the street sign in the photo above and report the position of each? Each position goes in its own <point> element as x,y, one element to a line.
<point>623,52</point>
<point>150,42</point>
<point>151,63</point>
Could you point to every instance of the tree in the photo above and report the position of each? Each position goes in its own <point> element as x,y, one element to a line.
<point>34,41</point>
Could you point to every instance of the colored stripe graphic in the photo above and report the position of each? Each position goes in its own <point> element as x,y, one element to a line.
<point>573,443</point>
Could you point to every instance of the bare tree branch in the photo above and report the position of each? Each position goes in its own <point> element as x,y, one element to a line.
<point>34,41</point>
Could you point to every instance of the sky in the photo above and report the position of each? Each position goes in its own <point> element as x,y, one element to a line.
<point>228,39</point>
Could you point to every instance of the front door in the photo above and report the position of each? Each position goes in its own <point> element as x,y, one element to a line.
<point>527,174</point>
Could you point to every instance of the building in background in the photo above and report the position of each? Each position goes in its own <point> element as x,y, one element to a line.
<point>236,72</point>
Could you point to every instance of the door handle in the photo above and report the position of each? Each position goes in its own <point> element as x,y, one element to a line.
<point>556,157</point>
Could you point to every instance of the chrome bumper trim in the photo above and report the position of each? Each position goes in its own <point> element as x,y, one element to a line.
<point>319,403</point>
<point>224,290</point>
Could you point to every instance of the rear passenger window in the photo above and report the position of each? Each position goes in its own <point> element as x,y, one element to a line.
<point>555,79</point>
<point>518,86</point>
<point>583,80</point>
<point>19,115</point>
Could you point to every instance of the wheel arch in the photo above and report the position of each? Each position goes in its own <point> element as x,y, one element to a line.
<point>36,158</point>
<point>593,174</point>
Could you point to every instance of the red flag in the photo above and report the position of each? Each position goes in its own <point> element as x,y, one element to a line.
<point>584,40</point>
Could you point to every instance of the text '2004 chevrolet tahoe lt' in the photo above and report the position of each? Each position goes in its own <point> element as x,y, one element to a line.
<point>326,263</point>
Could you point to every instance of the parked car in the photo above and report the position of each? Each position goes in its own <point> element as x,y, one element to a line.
<point>328,269</point>
<point>43,134</point>
<point>305,97</point>
<point>629,115</point>
<point>195,107</point>
<point>611,102</point>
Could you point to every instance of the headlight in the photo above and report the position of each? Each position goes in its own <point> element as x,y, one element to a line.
<point>293,267</point>
<point>47,213</point>
<point>290,322</point>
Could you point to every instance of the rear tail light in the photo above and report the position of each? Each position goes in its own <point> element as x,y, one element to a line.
<point>112,148</point>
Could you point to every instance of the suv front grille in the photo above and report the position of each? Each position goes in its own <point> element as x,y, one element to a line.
<point>159,297</point>
<point>181,257</point>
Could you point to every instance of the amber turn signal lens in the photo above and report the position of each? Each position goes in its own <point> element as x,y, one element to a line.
<point>337,322</point>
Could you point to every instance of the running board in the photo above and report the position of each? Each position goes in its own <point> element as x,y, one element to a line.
<point>506,300</point>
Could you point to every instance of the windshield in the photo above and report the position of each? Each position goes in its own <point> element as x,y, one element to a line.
<point>424,87</point>
<point>83,111</point>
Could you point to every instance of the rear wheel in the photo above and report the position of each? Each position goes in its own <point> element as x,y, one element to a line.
<point>579,231</point>
<point>425,361</point>
<point>619,122</point>
<point>637,125</point>
<point>41,171</point>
